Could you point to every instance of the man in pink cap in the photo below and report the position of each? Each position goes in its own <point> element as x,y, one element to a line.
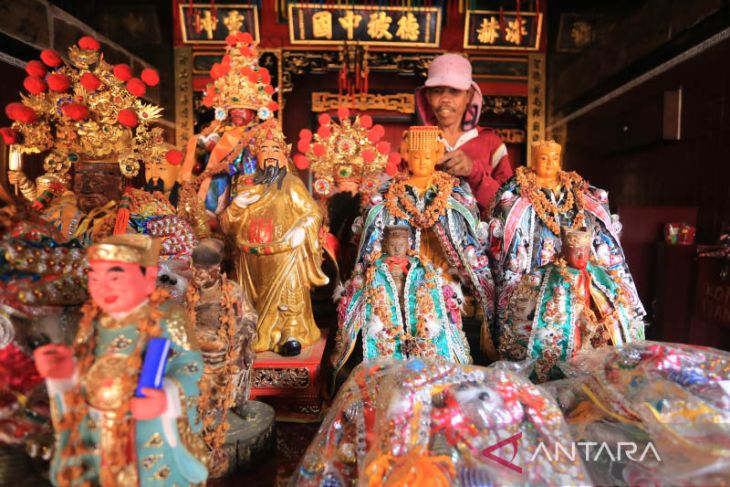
<point>453,102</point>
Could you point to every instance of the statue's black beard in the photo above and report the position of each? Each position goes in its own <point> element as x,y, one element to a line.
<point>151,187</point>
<point>269,175</point>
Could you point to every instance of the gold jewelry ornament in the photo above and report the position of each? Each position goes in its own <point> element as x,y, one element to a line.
<point>239,81</point>
<point>85,111</point>
<point>348,151</point>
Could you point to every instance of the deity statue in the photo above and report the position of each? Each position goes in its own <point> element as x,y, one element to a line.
<point>275,224</point>
<point>445,243</point>
<point>566,307</point>
<point>241,94</point>
<point>525,227</point>
<point>161,176</point>
<point>348,158</point>
<point>46,188</point>
<point>87,115</point>
<point>225,325</point>
<point>106,433</point>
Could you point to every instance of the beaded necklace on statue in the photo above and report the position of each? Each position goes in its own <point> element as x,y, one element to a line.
<point>148,326</point>
<point>215,434</point>
<point>548,211</point>
<point>398,197</point>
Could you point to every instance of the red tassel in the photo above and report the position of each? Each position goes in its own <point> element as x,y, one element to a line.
<point>120,227</point>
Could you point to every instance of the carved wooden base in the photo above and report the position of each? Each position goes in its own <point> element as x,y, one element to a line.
<point>251,435</point>
<point>291,385</point>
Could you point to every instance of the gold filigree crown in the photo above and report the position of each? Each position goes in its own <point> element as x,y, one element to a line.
<point>391,231</point>
<point>269,130</point>
<point>239,81</point>
<point>575,238</point>
<point>544,146</point>
<point>86,111</point>
<point>351,150</point>
<point>134,248</point>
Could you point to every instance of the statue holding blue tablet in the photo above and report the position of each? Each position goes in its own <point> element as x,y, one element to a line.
<point>124,396</point>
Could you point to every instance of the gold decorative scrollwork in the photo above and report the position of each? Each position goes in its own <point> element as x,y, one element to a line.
<point>400,102</point>
<point>297,378</point>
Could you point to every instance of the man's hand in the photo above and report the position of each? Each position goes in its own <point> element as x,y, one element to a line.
<point>295,236</point>
<point>456,163</point>
<point>14,177</point>
<point>54,361</point>
<point>149,407</point>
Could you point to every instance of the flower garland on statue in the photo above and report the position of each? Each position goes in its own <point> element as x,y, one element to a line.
<point>84,347</point>
<point>396,194</point>
<point>215,434</point>
<point>424,304</point>
<point>598,326</point>
<point>547,211</point>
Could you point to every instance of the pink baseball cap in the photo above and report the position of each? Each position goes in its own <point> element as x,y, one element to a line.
<point>454,71</point>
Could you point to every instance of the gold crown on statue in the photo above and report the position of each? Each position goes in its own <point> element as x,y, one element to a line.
<point>239,81</point>
<point>134,248</point>
<point>545,146</point>
<point>351,150</point>
<point>423,138</point>
<point>397,230</point>
<point>269,130</point>
<point>85,110</point>
<point>575,238</point>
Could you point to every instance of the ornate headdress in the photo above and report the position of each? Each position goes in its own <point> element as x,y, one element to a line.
<point>421,138</point>
<point>351,150</point>
<point>544,145</point>
<point>130,247</point>
<point>397,230</point>
<point>575,238</point>
<point>87,111</point>
<point>269,130</point>
<point>239,81</point>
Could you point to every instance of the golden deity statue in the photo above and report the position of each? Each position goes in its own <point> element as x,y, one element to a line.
<point>275,225</point>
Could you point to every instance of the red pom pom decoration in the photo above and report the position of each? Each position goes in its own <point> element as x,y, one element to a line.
<point>18,112</point>
<point>90,82</point>
<point>75,111</point>
<point>36,68</point>
<point>123,72</point>
<point>208,100</point>
<point>383,147</point>
<point>303,145</point>
<point>273,106</point>
<point>305,134</point>
<point>253,77</point>
<point>231,40</point>
<point>301,162</point>
<point>343,113</point>
<point>245,37</point>
<point>58,82</point>
<point>34,85</point>
<point>324,131</point>
<point>9,135</point>
<point>394,158</point>
<point>89,43</point>
<point>51,58</point>
<point>391,169</point>
<point>366,121</point>
<point>174,157</point>
<point>150,76</point>
<point>128,118</point>
<point>318,150</point>
<point>376,133</point>
<point>324,119</point>
<point>136,87</point>
<point>368,155</point>
<point>269,90</point>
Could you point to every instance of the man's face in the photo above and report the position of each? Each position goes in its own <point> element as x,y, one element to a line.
<point>240,117</point>
<point>97,184</point>
<point>422,163</point>
<point>396,245</point>
<point>577,257</point>
<point>448,104</point>
<point>546,163</point>
<point>163,171</point>
<point>271,154</point>
<point>119,287</point>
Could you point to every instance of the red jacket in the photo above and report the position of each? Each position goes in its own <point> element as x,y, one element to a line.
<point>491,165</point>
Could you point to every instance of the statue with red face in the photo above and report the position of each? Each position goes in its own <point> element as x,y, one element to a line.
<point>566,307</point>
<point>107,433</point>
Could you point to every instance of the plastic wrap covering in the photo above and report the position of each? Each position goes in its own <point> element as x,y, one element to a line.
<point>650,413</point>
<point>430,423</point>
